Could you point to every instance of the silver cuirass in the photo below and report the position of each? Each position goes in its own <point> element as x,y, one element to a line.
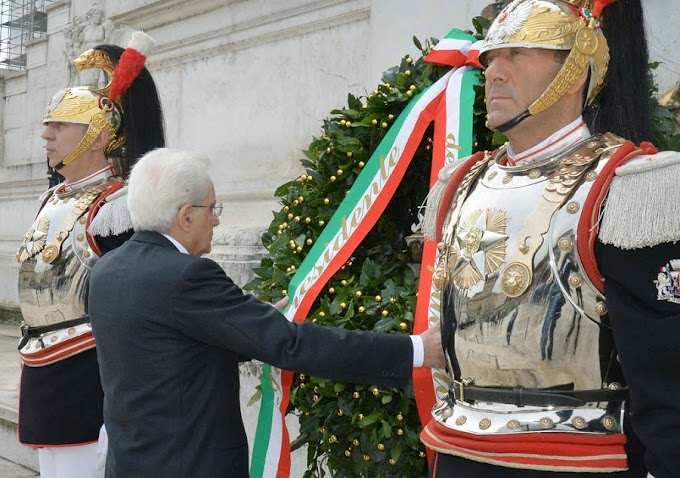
<point>525,315</point>
<point>55,259</point>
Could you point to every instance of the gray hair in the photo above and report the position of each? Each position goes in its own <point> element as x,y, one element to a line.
<point>163,181</point>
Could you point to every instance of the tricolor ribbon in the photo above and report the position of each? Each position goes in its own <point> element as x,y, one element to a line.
<point>449,103</point>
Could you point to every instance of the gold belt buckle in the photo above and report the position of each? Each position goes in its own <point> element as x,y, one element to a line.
<point>459,387</point>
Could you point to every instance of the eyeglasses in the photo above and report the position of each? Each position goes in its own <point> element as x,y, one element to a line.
<point>216,209</point>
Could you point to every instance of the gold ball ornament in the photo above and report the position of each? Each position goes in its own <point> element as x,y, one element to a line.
<point>362,309</point>
<point>322,314</point>
<point>400,431</point>
<point>297,218</point>
<point>315,398</point>
<point>343,305</point>
<point>355,442</point>
<point>384,124</point>
<point>378,298</point>
<point>343,282</point>
<point>381,447</point>
<point>376,392</point>
<point>333,179</point>
<point>403,326</point>
<point>322,222</point>
<point>367,458</point>
<point>290,215</point>
<point>374,121</point>
<point>308,220</point>
<point>349,154</point>
<point>407,73</point>
<point>298,248</point>
<point>348,453</point>
<point>309,242</point>
<point>340,172</point>
<point>331,290</point>
<point>355,395</point>
<point>359,293</point>
<point>328,150</point>
<point>384,313</point>
<point>361,164</point>
<point>393,461</point>
<point>326,201</point>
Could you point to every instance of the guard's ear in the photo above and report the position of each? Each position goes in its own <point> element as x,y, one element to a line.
<point>101,140</point>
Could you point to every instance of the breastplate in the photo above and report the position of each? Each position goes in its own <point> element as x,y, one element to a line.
<point>524,313</point>
<point>56,257</point>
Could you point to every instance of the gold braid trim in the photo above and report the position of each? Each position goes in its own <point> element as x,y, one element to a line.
<point>575,64</point>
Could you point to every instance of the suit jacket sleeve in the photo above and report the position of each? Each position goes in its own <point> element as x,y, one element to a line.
<point>209,307</point>
<point>646,327</point>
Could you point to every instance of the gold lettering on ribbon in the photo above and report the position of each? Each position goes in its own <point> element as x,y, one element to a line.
<point>348,226</point>
<point>452,148</point>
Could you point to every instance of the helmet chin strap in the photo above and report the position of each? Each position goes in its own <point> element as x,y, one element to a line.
<point>513,122</point>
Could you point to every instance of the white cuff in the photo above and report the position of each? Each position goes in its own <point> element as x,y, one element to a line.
<point>418,351</point>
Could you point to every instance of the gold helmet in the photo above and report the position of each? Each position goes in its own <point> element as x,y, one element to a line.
<point>568,25</point>
<point>100,108</point>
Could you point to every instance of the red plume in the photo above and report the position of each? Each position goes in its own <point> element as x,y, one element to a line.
<point>598,6</point>
<point>131,63</point>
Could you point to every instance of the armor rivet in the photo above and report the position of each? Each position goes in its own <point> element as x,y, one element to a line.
<point>461,420</point>
<point>507,178</point>
<point>492,175</point>
<point>609,422</point>
<point>546,423</point>
<point>513,424</point>
<point>484,423</point>
<point>565,244</point>
<point>82,220</point>
<point>614,386</point>
<point>80,237</point>
<point>591,175</point>
<point>71,331</point>
<point>579,423</point>
<point>447,412</point>
<point>86,254</point>
<point>573,207</point>
<point>575,280</point>
<point>601,308</point>
<point>50,253</point>
<point>54,338</point>
<point>534,174</point>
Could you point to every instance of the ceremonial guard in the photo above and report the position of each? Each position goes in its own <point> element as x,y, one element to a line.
<point>557,259</point>
<point>92,136</point>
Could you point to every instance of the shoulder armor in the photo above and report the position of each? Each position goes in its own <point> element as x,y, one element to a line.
<point>112,217</point>
<point>639,210</point>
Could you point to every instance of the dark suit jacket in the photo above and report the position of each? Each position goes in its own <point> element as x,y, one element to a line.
<point>170,330</point>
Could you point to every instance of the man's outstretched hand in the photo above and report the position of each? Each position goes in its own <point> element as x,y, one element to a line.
<point>432,343</point>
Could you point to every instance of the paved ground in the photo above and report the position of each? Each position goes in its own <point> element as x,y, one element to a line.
<point>12,470</point>
<point>9,365</point>
<point>9,380</point>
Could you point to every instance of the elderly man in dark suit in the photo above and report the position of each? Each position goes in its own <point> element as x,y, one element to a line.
<point>171,328</point>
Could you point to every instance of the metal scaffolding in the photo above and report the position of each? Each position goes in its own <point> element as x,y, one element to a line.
<point>20,22</point>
